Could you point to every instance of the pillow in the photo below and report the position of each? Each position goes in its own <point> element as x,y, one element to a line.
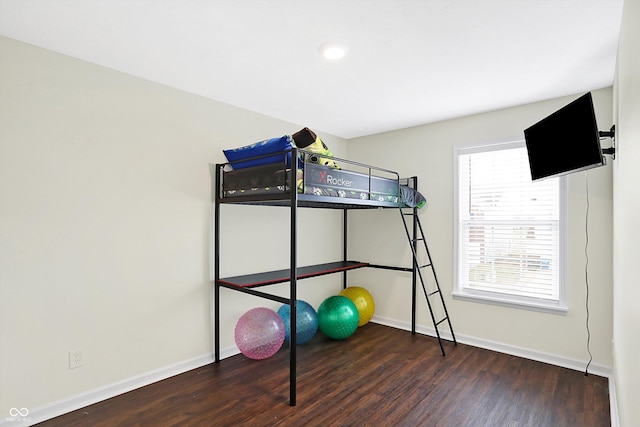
<point>412,198</point>
<point>268,146</point>
<point>320,153</point>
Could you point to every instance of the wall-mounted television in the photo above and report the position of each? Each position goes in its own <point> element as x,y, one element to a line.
<point>566,141</point>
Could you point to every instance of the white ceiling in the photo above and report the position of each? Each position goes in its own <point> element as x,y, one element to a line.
<point>409,62</point>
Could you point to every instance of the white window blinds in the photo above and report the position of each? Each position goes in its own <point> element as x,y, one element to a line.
<point>508,227</point>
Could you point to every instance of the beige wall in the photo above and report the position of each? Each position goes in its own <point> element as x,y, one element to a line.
<point>427,151</point>
<point>105,222</point>
<point>626,230</point>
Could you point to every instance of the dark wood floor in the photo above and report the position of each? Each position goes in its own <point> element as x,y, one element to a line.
<point>380,376</point>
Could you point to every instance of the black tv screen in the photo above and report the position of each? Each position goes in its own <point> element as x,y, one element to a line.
<point>567,141</point>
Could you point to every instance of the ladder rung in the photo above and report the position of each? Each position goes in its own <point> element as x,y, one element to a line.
<point>434,292</point>
<point>442,320</point>
<point>426,265</point>
<point>417,239</point>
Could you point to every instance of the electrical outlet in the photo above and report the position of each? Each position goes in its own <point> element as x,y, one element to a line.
<point>75,359</point>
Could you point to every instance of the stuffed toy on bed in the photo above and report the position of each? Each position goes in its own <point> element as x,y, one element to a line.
<point>318,152</point>
<point>320,160</point>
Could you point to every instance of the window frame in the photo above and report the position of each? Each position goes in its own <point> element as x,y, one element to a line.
<point>459,292</point>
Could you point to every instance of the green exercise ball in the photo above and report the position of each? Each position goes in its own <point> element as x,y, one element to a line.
<point>338,317</point>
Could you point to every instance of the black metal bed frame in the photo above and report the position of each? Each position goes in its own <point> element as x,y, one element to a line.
<point>292,199</point>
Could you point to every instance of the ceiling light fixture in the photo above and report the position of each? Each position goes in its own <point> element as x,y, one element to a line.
<point>333,51</point>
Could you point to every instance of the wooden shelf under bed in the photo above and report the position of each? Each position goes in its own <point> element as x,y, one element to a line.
<point>280,276</point>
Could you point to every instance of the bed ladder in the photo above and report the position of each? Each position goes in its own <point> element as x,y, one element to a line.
<point>415,236</point>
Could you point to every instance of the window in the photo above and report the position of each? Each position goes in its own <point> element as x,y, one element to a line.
<point>510,231</point>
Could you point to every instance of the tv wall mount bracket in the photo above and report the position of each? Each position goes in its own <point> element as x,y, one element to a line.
<point>611,133</point>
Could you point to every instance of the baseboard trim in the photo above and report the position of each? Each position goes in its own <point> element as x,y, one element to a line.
<point>82,400</point>
<point>613,402</point>
<point>552,359</point>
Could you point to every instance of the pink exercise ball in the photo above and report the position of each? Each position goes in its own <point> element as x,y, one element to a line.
<point>259,333</point>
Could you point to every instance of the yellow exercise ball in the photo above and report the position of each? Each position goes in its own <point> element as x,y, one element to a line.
<point>363,301</point>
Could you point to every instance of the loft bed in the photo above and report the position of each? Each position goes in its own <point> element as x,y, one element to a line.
<point>296,177</point>
<point>263,173</point>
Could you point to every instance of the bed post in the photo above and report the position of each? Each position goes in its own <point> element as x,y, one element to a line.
<point>293,279</point>
<point>216,260</point>
<point>414,274</point>
<point>344,246</point>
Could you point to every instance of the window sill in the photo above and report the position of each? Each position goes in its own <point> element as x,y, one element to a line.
<point>512,303</point>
